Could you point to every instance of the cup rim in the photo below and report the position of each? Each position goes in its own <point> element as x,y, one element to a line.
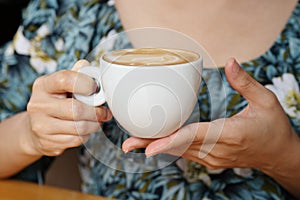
<point>197,59</point>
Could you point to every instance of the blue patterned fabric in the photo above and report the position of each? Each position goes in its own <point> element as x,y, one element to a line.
<point>56,33</point>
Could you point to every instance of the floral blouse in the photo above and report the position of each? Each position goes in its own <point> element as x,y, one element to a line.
<point>54,34</point>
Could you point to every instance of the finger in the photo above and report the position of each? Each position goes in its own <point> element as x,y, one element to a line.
<point>161,145</point>
<point>175,144</point>
<point>77,66</point>
<point>51,126</point>
<point>190,136</point>
<point>193,134</point>
<point>61,141</point>
<point>56,144</point>
<point>67,81</point>
<point>135,143</point>
<point>248,87</point>
<point>80,64</point>
<point>72,109</point>
<point>67,141</point>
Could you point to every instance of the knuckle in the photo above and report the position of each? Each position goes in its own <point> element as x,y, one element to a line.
<point>247,82</point>
<point>81,128</point>
<point>85,138</point>
<point>38,83</point>
<point>61,77</point>
<point>31,107</point>
<point>239,139</point>
<point>76,141</point>
<point>37,107</point>
<point>236,139</point>
<point>46,147</point>
<point>64,79</point>
<point>76,109</point>
<point>270,100</point>
<point>38,128</point>
<point>56,152</point>
<point>43,144</point>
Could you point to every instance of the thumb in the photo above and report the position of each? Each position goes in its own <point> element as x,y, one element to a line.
<point>242,82</point>
<point>90,85</point>
<point>80,64</point>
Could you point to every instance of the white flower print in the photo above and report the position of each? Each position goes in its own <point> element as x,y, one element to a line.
<point>21,44</point>
<point>111,2</point>
<point>38,59</point>
<point>244,172</point>
<point>10,50</point>
<point>43,64</point>
<point>286,89</point>
<point>43,31</point>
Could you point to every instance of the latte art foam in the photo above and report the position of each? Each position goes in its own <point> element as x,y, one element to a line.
<point>150,57</point>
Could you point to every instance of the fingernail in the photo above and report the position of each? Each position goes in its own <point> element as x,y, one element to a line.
<point>125,150</point>
<point>235,67</point>
<point>109,114</point>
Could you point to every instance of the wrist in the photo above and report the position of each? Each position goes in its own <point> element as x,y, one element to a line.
<point>16,147</point>
<point>282,164</point>
<point>283,169</point>
<point>27,139</point>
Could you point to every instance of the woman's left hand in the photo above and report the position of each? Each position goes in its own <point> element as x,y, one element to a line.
<point>260,136</point>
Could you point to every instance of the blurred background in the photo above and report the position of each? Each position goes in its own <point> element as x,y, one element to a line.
<point>10,17</point>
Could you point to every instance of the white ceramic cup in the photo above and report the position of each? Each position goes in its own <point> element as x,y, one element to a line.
<point>149,99</point>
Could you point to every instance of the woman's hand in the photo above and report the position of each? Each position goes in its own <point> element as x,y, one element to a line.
<point>260,136</point>
<point>57,121</point>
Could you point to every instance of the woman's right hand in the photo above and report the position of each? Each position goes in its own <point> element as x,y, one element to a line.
<point>57,121</point>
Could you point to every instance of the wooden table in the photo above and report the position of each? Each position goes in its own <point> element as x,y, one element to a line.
<point>19,190</point>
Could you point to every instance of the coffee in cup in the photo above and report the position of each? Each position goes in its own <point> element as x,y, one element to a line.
<point>150,57</point>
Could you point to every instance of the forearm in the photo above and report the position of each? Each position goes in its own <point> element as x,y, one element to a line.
<point>15,145</point>
<point>286,170</point>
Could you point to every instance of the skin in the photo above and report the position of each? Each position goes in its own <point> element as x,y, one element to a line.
<point>52,123</point>
<point>267,141</point>
<point>224,28</point>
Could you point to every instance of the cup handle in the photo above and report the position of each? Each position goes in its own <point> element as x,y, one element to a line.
<point>97,98</point>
